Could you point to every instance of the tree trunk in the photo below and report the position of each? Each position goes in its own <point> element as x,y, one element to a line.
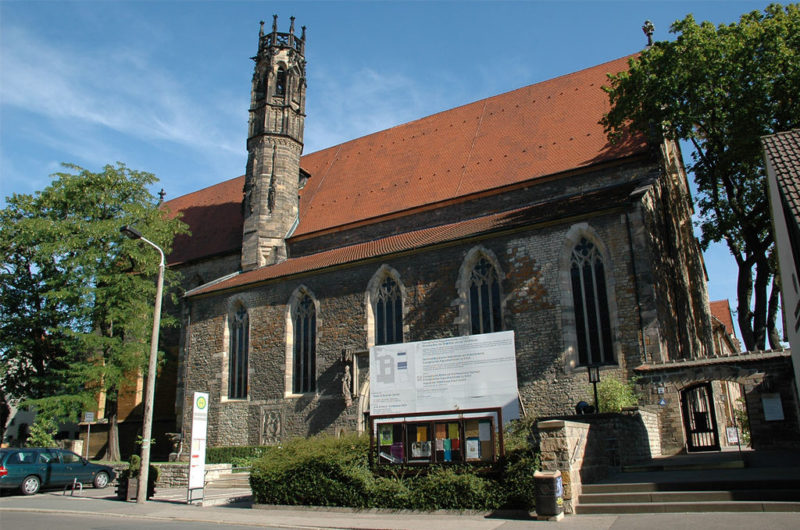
<point>744,290</point>
<point>763,274</point>
<point>5,412</point>
<point>772,314</point>
<point>112,450</point>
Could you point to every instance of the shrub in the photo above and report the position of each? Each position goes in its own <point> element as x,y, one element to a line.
<point>319,471</point>
<point>613,395</point>
<point>42,433</point>
<point>454,489</point>
<point>391,492</point>
<point>743,420</point>
<point>518,465</point>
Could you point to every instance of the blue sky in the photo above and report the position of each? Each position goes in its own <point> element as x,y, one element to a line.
<point>164,86</point>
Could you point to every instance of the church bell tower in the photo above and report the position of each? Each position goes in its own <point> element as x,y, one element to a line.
<point>274,145</point>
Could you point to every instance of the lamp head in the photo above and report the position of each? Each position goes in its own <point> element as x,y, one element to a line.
<point>131,232</point>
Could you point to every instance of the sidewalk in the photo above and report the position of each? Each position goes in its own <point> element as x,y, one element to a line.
<point>169,507</point>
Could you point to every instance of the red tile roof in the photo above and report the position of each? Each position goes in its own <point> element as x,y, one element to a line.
<point>536,131</point>
<point>214,216</point>
<point>721,310</point>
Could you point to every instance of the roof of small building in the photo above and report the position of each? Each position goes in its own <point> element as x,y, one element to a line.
<point>721,310</point>
<point>546,129</point>
<point>783,152</point>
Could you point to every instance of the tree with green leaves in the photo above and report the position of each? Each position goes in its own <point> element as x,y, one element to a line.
<point>76,296</point>
<point>721,88</point>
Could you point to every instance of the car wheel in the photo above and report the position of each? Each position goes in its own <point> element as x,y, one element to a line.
<point>30,485</point>
<point>101,480</point>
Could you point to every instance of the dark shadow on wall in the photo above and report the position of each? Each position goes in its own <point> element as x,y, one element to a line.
<point>322,414</point>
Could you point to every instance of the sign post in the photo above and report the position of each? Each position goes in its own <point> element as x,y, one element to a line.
<point>88,418</point>
<point>197,462</point>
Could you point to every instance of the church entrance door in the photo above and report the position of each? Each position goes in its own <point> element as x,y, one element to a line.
<point>699,418</point>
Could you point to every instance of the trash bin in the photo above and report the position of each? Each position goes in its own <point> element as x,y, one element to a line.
<point>549,491</point>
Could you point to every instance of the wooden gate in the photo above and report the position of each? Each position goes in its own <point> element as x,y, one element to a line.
<point>699,418</point>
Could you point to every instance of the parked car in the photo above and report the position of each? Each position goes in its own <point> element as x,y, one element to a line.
<point>30,469</point>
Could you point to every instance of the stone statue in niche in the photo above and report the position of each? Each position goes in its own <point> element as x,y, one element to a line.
<point>347,382</point>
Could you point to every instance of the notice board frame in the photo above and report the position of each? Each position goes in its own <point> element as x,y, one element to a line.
<point>432,417</point>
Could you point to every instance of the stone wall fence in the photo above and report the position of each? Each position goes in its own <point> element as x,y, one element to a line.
<point>585,448</point>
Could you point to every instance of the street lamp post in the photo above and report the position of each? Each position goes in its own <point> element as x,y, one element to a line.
<point>594,378</point>
<point>147,422</point>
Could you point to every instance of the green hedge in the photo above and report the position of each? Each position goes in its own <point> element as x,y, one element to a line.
<point>237,455</point>
<point>327,471</point>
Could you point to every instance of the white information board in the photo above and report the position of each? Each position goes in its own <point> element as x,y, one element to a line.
<point>197,461</point>
<point>458,373</point>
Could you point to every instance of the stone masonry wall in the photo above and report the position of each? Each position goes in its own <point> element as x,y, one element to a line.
<point>563,445</point>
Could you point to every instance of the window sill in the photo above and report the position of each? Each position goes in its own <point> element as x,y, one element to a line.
<point>291,395</point>
<point>234,400</point>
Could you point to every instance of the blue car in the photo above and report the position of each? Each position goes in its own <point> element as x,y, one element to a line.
<point>29,469</point>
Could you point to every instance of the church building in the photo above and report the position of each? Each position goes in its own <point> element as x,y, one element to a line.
<point>513,213</point>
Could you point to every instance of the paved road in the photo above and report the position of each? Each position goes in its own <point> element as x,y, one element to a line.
<point>57,512</point>
<point>27,520</point>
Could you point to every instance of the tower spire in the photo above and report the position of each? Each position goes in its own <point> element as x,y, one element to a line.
<point>274,145</point>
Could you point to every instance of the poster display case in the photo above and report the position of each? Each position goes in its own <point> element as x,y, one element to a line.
<point>470,436</point>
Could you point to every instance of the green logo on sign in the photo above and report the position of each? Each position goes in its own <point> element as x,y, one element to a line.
<point>201,402</point>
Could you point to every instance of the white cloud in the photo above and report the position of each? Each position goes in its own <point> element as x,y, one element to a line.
<point>116,89</point>
<point>349,105</point>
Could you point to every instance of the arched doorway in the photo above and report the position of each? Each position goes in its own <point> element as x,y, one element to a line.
<point>699,418</point>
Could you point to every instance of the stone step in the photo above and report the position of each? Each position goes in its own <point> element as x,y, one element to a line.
<point>230,480</point>
<point>692,485</point>
<point>688,466</point>
<point>682,507</point>
<point>766,495</point>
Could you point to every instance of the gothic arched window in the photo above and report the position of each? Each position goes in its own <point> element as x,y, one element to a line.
<point>590,302</point>
<point>280,82</point>
<point>388,313</point>
<point>484,298</point>
<point>304,369</point>
<point>237,359</point>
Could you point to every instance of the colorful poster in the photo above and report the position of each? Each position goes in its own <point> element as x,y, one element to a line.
<point>473,449</point>
<point>485,431</point>
<point>421,450</point>
<point>441,431</point>
<point>397,451</point>
<point>386,437</point>
<point>452,431</point>
<point>471,429</point>
<point>422,433</point>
